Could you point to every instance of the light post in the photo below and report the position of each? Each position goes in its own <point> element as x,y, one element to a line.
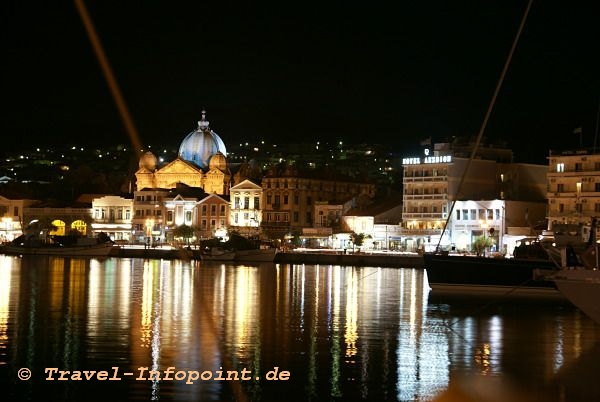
<point>7,221</point>
<point>484,227</point>
<point>149,227</point>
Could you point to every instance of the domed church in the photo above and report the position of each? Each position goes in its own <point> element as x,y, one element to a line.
<point>201,162</point>
<point>201,144</point>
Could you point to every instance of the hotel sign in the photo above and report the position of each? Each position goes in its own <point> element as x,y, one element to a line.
<point>427,159</point>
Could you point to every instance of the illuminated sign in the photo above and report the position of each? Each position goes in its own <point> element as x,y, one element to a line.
<point>427,159</point>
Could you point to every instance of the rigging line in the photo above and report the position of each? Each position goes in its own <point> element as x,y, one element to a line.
<point>376,270</point>
<point>597,123</point>
<point>487,115</point>
<point>109,76</point>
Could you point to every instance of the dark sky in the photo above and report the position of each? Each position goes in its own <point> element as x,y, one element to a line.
<point>362,72</point>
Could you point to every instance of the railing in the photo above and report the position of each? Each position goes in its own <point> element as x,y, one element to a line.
<point>416,215</point>
<point>432,179</point>
<point>419,232</point>
<point>425,196</point>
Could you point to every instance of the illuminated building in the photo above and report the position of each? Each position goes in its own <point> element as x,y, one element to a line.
<point>508,197</point>
<point>573,188</point>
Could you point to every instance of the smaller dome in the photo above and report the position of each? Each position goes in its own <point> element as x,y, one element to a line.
<point>148,161</point>
<point>218,161</point>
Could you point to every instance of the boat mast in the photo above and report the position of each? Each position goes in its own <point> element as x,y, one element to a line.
<point>487,117</point>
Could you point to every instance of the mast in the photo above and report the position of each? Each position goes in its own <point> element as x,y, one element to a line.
<point>486,118</point>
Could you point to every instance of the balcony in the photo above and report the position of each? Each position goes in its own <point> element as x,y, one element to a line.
<point>155,202</point>
<point>424,179</point>
<point>274,224</point>
<point>408,197</point>
<point>419,232</point>
<point>423,215</point>
<point>111,220</point>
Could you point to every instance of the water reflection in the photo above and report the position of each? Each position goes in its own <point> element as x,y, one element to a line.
<point>343,333</point>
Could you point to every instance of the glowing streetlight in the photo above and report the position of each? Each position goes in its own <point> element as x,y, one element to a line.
<point>484,226</point>
<point>7,223</point>
<point>149,227</point>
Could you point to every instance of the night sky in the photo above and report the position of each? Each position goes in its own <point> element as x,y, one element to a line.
<point>361,72</point>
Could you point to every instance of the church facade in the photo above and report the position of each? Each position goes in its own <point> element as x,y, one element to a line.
<point>191,190</point>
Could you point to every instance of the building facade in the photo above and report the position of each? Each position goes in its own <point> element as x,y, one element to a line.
<point>246,212</point>
<point>438,184</point>
<point>289,200</point>
<point>13,217</point>
<point>573,189</point>
<point>113,215</point>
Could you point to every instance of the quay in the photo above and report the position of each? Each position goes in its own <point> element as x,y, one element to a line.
<point>370,259</point>
<point>303,256</point>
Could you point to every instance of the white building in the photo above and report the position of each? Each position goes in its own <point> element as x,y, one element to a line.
<point>451,198</point>
<point>245,211</point>
<point>113,215</point>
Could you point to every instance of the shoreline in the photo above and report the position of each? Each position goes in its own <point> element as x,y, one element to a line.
<point>304,257</point>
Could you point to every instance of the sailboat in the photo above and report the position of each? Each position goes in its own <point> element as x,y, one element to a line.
<point>522,275</point>
<point>580,282</point>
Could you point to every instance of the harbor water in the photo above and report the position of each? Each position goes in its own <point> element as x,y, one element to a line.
<point>77,329</point>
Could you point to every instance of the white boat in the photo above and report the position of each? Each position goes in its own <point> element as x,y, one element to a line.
<point>578,280</point>
<point>582,288</point>
<point>218,254</point>
<point>256,255</point>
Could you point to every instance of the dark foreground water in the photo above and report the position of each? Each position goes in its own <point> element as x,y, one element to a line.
<point>292,332</point>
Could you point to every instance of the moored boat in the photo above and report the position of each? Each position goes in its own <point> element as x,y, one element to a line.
<point>217,254</point>
<point>582,288</point>
<point>485,275</point>
<point>89,247</point>
<point>256,255</point>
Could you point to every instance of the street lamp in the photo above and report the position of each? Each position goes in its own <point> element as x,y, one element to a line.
<point>7,221</point>
<point>149,227</point>
<point>484,226</point>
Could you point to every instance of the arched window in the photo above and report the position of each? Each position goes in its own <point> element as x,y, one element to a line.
<point>80,226</point>
<point>58,228</point>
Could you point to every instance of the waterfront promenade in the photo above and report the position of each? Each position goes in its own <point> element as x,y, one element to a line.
<point>300,256</point>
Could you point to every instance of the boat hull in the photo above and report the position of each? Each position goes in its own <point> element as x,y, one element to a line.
<point>467,274</point>
<point>224,256</point>
<point>582,289</point>
<point>257,255</point>
<point>95,250</point>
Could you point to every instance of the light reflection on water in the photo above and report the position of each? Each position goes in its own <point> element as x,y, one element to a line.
<point>343,333</point>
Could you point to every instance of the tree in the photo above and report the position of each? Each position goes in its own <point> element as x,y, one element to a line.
<point>482,243</point>
<point>185,232</point>
<point>358,239</point>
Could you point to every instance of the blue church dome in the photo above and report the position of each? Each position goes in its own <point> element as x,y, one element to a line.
<point>202,143</point>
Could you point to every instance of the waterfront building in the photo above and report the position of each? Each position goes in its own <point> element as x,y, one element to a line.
<point>245,211</point>
<point>50,218</point>
<point>213,217</point>
<point>13,219</point>
<point>573,178</point>
<point>384,215</point>
<point>289,197</point>
<point>433,217</point>
<point>148,223</point>
<point>112,215</point>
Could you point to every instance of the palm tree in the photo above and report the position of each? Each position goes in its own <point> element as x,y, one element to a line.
<point>481,244</point>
